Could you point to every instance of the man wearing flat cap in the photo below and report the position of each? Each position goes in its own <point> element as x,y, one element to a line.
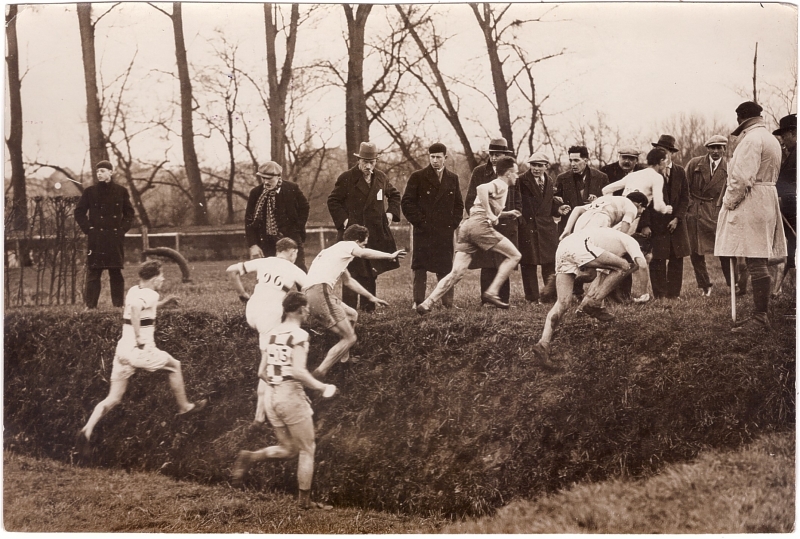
<point>667,231</point>
<point>275,209</point>
<point>787,183</point>
<point>749,223</point>
<point>364,196</point>
<point>538,236</point>
<point>508,225</point>
<point>104,213</point>
<point>433,205</point>
<point>707,176</point>
<point>627,162</point>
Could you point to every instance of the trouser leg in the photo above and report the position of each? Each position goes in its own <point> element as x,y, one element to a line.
<point>762,284</point>
<point>700,270</point>
<point>674,277</point>
<point>530,283</point>
<point>370,284</point>
<point>92,294</point>
<point>725,264</point>
<point>419,284</point>
<point>658,277</point>
<point>117,285</point>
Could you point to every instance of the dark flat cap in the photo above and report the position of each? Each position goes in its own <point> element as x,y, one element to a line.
<point>104,164</point>
<point>749,109</point>
<point>437,147</point>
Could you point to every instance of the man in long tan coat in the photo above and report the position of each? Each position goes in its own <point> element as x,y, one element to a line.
<point>749,223</point>
<point>707,175</point>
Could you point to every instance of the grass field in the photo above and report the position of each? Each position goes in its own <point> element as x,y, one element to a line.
<point>443,416</point>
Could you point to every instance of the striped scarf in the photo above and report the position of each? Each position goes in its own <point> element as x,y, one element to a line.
<point>265,209</point>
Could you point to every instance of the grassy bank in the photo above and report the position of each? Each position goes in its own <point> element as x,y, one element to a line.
<point>446,414</point>
<point>751,490</point>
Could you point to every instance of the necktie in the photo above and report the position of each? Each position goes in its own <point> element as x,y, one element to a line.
<point>713,167</point>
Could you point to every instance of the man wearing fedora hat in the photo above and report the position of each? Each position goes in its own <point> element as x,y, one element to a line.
<point>667,231</point>
<point>364,196</point>
<point>707,176</point>
<point>433,205</point>
<point>749,223</point>
<point>508,225</point>
<point>104,213</point>
<point>538,236</point>
<point>787,182</point>
<point>275,209</point>
<point>627,162</point>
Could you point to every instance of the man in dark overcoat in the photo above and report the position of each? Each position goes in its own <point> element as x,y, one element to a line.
<point>627,162</point>
<point>432,203</point>
<point>275,209</point>
<point>364,196</point>
<point>104,213</point>
<point>487,261</point>
<point>667,232</point>
<point>538,236</point>
<point>581,184</point>
<point>707,176</point>
<point>787,183</point>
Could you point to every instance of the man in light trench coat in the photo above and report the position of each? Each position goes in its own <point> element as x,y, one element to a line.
<point>749,223</point>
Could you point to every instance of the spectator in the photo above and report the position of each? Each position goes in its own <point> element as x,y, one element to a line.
<point>579,185</point>
<point>627,162</point>
<point>749,221</point>
<point>275,209</point>
<point>364,196</point>
<point>433,205</point>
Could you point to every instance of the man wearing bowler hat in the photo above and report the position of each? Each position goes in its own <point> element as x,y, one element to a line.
<point>707,176</point>
<point>508,224</point>
<point>538,237</point>
<point>104,213</point>
<point>749,223</point>
<point>667,231</point>
<point>787,182</point>
<point>275,209</point>
<point>627,162</point>
<point>433,205</point>
<point>364,196</point>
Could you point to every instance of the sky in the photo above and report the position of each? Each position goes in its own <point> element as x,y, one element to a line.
<point>637,63</point>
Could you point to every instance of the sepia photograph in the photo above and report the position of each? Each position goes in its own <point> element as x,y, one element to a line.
<point>421,268</point>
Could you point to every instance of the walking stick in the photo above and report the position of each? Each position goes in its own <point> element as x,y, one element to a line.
<point>733,291</point>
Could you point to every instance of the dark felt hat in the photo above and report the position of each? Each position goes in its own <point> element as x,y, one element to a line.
<point>667,142</point>
<point>367,150</point>
<point>788,123</point>
<point>499,145</point>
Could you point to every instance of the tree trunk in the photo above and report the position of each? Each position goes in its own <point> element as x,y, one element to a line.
<point>94,119</point>
<point>498,78</point>
<point>14,140</point>
<point>279,86</point>
<point>356,125</point>
<point>196,188</point>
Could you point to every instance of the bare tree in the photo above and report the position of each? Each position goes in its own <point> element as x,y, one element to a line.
<point>14,141</point>
<point>356,124</point>
<point>279,84</point>
<point>433,80</point>
<point>691,132</point>
<point>97,140</point>
<point>196,187</point>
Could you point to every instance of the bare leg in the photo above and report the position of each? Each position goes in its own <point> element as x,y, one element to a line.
<point>340,350</point>
<point>261,412</point>
<point>178,389</point>
<point>115,393</point>
<point>506,248</point>
<point>460,265</point>
<point>285,449</point>
<point>564,284</point>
